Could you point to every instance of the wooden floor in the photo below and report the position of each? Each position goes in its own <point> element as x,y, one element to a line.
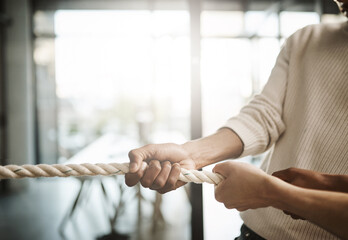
<point>37,213</point>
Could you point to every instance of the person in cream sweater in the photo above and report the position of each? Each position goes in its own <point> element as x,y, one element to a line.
<point>301,117</point>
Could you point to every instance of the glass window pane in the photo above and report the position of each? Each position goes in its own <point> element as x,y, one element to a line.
<point>130,77</point>
<point>292,21</point>
<point>226,80</point>
<point>117,71</point>
<point>268,50</point>
<point>261,24</point>
<point>110,81</point>
<point>163,24</point>
<point>46,100</point>
<point>226,84</point>
<point>104,22</point>
<point>221,23</point>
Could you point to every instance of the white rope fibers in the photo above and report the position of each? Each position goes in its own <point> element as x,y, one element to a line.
<point>87,169</point>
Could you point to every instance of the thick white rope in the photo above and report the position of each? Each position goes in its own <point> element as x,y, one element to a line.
<point>87,169</point>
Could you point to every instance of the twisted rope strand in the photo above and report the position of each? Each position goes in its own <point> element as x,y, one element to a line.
<point>87,169</point>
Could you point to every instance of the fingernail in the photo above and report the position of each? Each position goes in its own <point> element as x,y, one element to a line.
<point>133,167</point>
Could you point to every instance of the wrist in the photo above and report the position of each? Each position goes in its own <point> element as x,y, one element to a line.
<point>277,192</point>
<point>193,152</point>
<point>224,144</point>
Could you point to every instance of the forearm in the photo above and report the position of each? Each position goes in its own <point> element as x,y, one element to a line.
<point>323,208</point>
<point>224,144</point>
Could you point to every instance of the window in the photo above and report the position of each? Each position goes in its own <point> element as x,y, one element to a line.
<point>124,72</point>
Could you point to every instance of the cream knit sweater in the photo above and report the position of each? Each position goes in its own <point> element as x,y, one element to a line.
<point>302,115</point>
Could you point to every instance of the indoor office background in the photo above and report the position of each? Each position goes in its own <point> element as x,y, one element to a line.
<point>87,81</point>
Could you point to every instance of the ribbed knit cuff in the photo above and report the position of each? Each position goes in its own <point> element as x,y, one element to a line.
<point>252,143</point>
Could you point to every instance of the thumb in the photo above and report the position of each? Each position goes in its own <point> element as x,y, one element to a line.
<point>284,175</point>
<point>222,169</point>
<point>136,159</point>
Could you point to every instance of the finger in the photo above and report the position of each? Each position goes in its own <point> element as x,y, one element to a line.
<point>296,217</point>
<point>151,173</point>
<point>135,160</point>
<point>219,192</point>
<point>222,169</point>
<point>137,156</point>
<point>228,205</point>
<point>162,177</point>
<point>172,182</point>
<point>284,175</point>
<point>179,184</point>
<point>286,212</point>
<point>133,178</point>
<point>293,216</point>
<point>241,209</point>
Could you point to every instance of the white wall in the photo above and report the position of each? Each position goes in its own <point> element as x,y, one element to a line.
<point>19,85</point>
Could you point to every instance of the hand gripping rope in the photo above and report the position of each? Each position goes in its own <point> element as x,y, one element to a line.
<point>87,169</point>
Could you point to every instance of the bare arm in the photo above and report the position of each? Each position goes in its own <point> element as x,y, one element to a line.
<point>247,187</point>
<point>224,144</point>
<point>313,180</point>
<point>328,210</point>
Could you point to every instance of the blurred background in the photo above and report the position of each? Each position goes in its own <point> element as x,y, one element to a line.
<point>87,81</point>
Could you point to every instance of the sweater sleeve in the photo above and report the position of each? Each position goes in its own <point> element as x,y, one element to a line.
<point>259,124</point>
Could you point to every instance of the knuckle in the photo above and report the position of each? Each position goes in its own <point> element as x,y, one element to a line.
<point>218,197</point>
<point>130,182</point>
<point>161,191</point>
<point>160,183</point>
<point>295,217</point>
<point>171,184</point>
<point>217,167</point>
<point>166,164</point>
<point>146,183</point>
<point>228,206</point>
<point>138,175</point>
<point>132,153</point>
<point>156,167</point>
<point>138,153</point>
<point>175,172</point>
